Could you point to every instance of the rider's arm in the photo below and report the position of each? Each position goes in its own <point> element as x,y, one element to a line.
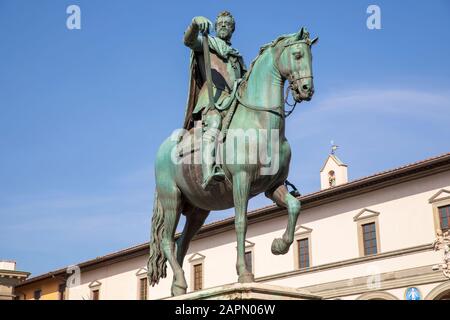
<point>191,37</point>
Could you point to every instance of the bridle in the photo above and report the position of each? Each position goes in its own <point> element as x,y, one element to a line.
<point>292,79</point>
<point>293,87</point>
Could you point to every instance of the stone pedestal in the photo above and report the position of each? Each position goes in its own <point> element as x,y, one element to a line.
<point>247,291</point>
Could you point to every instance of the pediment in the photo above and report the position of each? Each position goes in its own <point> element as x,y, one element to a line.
<point>94,284</point>
<point>302,230</point>
<point>196,256</point>
<point>249,244</point>
<point>333,160</point>
<point>442,194</point>
<point>365,213</point>
<point>142,271</point>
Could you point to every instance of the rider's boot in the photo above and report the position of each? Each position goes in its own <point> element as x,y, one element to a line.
<point>212,172</point>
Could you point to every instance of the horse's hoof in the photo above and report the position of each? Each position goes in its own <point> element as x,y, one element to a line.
<point>177,290</point>
<point>246,278</point>
<point>280,246</point>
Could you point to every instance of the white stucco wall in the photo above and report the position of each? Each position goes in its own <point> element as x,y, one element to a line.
<point>7,265</point>
<point>405,220</point>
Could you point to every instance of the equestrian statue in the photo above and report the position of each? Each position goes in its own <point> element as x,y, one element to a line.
<point>232,146</point>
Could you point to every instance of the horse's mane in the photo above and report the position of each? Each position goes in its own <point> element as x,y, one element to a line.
<point>262,50</point>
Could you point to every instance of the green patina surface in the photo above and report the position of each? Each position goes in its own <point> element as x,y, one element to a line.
<point>257,106</point>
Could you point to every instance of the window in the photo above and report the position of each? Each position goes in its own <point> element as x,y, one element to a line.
<point>95,289</point>
<point>440,203</point>
<point>248,261</point>
<point>96,294</point>
<point>368,229</point>
<point>62,291</point>
<point>302,248</point>
<point>142,284</point>
<point>303,253</point>
<point>444,218</point>
<point>143,287</point>
<point>37,294</point>
<point>331,178</point>
<point>369,238</point>
<point>197,262</point>
<point>198,276</point>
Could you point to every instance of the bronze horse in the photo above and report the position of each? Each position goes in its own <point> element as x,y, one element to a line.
<point>260,109</point>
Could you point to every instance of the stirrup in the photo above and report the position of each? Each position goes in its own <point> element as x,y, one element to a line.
<point>207,181</point>
<point>218,173</point>
<point>216,176</point>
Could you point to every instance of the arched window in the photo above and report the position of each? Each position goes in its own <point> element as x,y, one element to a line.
<point>377,295</point>
<point>441,292</point>
<point>444,296</point>
<point>331,178</point>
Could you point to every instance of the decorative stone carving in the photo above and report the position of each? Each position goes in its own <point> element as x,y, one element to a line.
<point>442,242</point>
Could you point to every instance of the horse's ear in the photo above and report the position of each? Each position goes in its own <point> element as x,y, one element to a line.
<point>314,40</point>
<point>299,35</point>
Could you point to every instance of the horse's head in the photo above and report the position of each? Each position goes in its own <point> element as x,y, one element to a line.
<point>295,64</point>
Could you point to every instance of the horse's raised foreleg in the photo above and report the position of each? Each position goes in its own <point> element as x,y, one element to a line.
<point>195,217</point>
<point>282,197</point>
<point>171,202</point>
<point>241,191</point>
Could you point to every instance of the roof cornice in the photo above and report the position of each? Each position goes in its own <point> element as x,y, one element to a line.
<point>353,188</point>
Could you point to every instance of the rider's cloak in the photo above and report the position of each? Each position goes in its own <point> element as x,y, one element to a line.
<point>223,50</point>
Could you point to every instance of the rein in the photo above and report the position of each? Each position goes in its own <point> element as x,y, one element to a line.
<point>253,107</point>
<point>292,85</point>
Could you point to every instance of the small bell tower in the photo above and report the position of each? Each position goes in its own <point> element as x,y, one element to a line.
<point>334,171</point>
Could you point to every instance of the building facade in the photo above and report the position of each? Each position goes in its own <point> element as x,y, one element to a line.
<point>371,238</point>
<point>49,288</point>
<point>9,278</point>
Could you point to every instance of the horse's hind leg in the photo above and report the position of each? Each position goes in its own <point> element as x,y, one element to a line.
<point>170,199</point>
<point>282,197</point>
<point>195,217</point>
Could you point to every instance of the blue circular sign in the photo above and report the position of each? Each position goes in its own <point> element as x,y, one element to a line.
<point>412,293</point>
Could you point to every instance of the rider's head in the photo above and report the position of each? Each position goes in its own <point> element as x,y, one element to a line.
<point>224,25</point>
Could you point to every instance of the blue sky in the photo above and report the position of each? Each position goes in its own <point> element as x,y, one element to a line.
<point>82,112</point>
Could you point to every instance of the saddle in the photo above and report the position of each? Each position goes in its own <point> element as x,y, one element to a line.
<point>227,105</point>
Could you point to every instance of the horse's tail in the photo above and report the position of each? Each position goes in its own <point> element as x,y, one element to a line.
<point>157,261</point>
